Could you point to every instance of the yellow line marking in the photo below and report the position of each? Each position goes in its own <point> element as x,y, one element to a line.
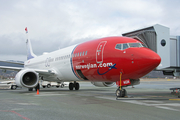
<point>174,99</point>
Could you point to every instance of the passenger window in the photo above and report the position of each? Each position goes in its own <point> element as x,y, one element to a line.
<point>80,53</point>
<point>118,46</point>
<point>83,53</point>
<point>86,53</point>
<point>77,54</point>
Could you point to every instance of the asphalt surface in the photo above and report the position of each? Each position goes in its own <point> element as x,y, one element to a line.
<point>151,100</point>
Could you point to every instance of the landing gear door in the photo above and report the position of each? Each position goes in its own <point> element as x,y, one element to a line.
<point>99,52</point>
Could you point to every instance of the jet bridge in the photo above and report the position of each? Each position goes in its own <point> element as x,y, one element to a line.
<point>158,39</point>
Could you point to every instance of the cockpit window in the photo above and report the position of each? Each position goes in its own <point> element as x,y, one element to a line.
<point>118,46</point>
<point>125,46</point>
<point>128,45</point>
<point>135,45</point>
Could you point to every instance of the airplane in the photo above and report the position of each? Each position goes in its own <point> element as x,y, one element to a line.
<point>102,62</point>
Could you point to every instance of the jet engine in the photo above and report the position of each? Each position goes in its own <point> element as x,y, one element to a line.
<point>135,81</point>
<point>27,78</point>
<point>103,84</point>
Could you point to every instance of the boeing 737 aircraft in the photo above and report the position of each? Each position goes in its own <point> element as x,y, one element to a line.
<point>102,62</point>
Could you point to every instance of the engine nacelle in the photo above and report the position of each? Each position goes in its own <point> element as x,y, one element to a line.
<point>135,81</point>
<point>27,78</point>
<point>103,84</point>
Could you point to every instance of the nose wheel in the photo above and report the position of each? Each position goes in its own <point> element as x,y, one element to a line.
<point>121,93</point>
<point>74,85</point>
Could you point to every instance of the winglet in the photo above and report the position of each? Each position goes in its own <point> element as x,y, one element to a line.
<point>30,53</point>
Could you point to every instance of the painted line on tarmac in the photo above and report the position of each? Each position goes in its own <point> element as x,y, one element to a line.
<point>131,98</point>
<point>142,99</point>
<point>174,99</point>
<point>49,94</point>
<point>158,103</point>
<point>12,111</point>
<point>163,105</point>
<point>167,108</point>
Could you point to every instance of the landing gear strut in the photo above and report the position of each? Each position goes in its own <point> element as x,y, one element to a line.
<point>37,87</point>
<point>120,92</point>
<point>74,85</point>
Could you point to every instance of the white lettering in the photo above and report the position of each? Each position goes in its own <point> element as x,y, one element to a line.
<point>126,82</point>
<point>104,65</point>
<point>89,66</point>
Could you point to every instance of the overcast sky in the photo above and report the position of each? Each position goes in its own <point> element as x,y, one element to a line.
<point>55,24</point>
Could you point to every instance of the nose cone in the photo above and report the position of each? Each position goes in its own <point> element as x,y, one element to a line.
<point>148,61</point>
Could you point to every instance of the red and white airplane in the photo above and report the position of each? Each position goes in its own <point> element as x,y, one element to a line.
<point>102,61</point>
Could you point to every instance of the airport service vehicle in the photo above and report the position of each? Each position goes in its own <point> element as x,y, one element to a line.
<point>10,84</point>
<point>49,84</point>
<point>102,61</point>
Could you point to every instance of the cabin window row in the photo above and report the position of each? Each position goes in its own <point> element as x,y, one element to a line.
<point>79,54</point>
<point>62,57</point>
<point>73,55</point>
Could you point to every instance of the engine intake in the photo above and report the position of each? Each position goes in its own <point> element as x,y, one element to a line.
<point>27,78</point>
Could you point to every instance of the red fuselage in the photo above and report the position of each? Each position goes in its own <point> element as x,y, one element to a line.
<point>104,59</point>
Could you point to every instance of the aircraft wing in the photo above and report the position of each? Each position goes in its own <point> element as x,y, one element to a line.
<point>18,63</point>
<point>11,68</point>
<point>44,72</point>
<point>41,72</point>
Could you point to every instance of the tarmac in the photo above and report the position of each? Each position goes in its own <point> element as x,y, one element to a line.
<point>151,100</point>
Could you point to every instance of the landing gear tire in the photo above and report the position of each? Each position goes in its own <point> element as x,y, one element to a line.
<point>76,86</point>
<point>13,87</point>
<point>30,89</point>
<point>71,86</point>
<point>121,93</point>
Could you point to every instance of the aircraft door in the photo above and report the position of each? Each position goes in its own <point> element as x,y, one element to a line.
<point>99,52</point>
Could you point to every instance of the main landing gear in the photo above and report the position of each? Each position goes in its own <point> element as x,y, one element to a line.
<point>74,85</point>
<point>121,92</point>
<point>37,87</point>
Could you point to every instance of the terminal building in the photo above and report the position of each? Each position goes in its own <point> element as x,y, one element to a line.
<point>158,39</point>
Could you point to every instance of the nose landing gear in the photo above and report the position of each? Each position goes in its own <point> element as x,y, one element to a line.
<point>121,93</point>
